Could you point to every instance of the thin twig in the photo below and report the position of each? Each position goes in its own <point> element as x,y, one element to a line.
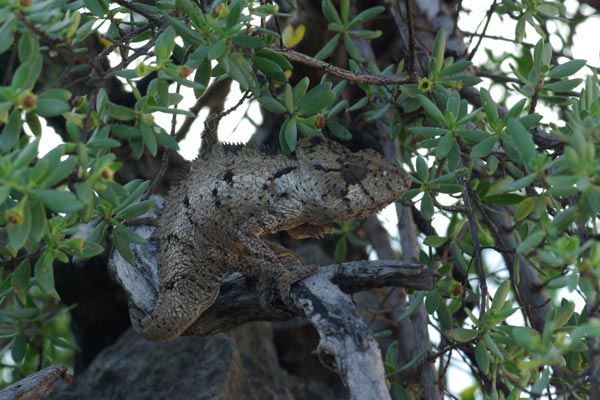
<point>350,76</point>
<point>412,47</point>
<point>202,102</point>
<point>476,244</point>
<point>487,24</point>
<point>132,7</point>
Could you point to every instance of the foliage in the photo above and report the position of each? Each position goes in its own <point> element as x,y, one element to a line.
<point>505,181</point>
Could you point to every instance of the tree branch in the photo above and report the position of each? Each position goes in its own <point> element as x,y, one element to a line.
<point>37,385</point>
<point>346,344</point>
<point>329,68</point>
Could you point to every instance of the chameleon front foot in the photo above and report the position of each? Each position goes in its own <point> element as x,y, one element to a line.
<point>283,282</point>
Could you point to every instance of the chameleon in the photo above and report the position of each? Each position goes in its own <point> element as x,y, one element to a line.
<point>213,221</point>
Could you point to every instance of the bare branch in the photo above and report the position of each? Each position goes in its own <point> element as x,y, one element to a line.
<point>329,68</point>
<point>36,386</point>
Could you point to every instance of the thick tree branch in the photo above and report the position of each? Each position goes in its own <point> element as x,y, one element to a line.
<point>346,344</point>
<point>36,386</point>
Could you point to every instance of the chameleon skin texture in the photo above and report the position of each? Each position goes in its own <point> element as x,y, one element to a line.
<point>213,221</point>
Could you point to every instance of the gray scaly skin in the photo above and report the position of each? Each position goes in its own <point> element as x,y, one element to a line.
<point>213,221</point>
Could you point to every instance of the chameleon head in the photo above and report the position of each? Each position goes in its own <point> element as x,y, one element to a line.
<point>343,185</point>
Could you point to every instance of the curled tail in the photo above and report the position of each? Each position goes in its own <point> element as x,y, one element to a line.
<point>182,298</point>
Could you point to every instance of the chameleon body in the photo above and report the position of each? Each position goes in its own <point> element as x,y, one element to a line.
<point>213,220</point>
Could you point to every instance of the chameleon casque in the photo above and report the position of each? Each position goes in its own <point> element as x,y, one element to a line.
<point>213,220</point>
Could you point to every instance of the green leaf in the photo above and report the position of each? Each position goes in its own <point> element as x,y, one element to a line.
<point>98,8</point>
<point>429,131</point>
<point>59,201</point>
<point>531,241</point>
<point>493,348</point>
<point>503,199</point>
<point>291,134</point>
<point>432,301</point>
<point>422,169</point>
<point>427,206</point>
<point>241,71</point>
<point>122,246</point>
<point>184,31</point>
<point>339,106</point>
<point>339,130</point>
<point>135,188</point>
<point>315,101</point>
<point>463,335</point>
<point>566,69</point>
<point>135,210</point>
<point>345,9</point>
<point>542,383</point>
<point>500,296</point>
<point>455,68</point>
<point>564,218</point>
<point>435,241</point>
<point>489,106</point>
<point>563,313</point>
<point>18,348</point>
<point>519,183</point>
<point>365,34</point>
<point>26,74</point>
<point>120,113</point>
<point>61,171</point>
<point>351,48</point>
<point>250,42</point>
<point>483,148</point>
<point>39,222</point>
<point>7,32</point>
<point>202,77</point>
<point>432,110</point>
<point>55,95</point>
<point>366,15</point>
<point>524,208</point>
<point>44,273</point>
<point>270,68</point>
<point>359,104</point>
<point>413,305</point>
<point>34,124</point>
<point>165,43</point>
<point>482,357</point>
<point>329,48</point>
<point>27,155</point>
<point>51,108</point>
<point>125,131</point>
<point>18,233</point>
<point>271,104</point>
<point>235,12</point>
<point>288,98</point>
<point>217,49</point>
<point>563,86</point>
<point>444,146</point>
<point>330,12</point>
<point>11,131</point>
<point>437,54</point>
<point>341,248</point>
<point>29,47</point>
<point>128,235</point>
<point>148,137</point>
<point>20,278</point>
<point>99,143</point>
<point>523,140</point>
<point>276,58</point>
